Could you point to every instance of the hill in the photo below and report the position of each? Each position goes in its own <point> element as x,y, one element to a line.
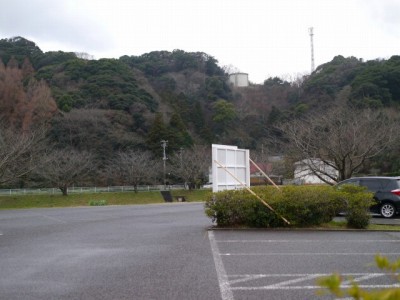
<point>136,101</point>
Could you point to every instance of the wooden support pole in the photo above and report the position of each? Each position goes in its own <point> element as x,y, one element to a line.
<point>251,192</point>
<point>265,175</point>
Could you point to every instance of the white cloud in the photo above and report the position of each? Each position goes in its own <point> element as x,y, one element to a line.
<point>51,24</point>
<point>261,37</point>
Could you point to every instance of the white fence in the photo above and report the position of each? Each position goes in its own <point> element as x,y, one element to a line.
<point>82,190</point>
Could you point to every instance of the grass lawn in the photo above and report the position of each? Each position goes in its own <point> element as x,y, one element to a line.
<point>333,225</point>
<point>130,198</point>
<point>120,198</point>
<point>343,225</point>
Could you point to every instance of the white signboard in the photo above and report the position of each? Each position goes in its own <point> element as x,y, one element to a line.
<point>230,167</point>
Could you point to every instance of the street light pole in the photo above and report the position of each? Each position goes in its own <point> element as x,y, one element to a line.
<point>164,145</point>
<point>180,155</point>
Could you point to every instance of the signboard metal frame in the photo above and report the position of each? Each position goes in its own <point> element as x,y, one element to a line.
<point>236,161</point>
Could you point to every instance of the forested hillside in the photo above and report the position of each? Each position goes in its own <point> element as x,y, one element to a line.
<point>133,103</point>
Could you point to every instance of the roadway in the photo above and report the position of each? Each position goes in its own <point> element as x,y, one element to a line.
<point>166,251</point>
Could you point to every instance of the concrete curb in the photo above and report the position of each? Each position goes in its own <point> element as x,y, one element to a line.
<point>301,229</point>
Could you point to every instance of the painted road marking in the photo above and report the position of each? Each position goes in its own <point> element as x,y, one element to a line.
<point>361,278</point>
<point>226,291</point>
<point>306,241</point>
<point>312,287</point>
<point>253,282</point>
<point>305,254</point>
<point>288,283</point>
<point>53,219</point>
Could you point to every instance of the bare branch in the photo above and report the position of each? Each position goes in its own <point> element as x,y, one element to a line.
<point>343,138</point>
<point>62,168</point>
<point>19,153</point>
<point>132,167</point>
<point>192,164</point>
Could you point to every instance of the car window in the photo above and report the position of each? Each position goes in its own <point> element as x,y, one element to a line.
<point>348,181</point>
<point>353,181</point>
<point>373,185</point>
<point>392,184</point>
<point>388,184</point>
<point>398,184</point>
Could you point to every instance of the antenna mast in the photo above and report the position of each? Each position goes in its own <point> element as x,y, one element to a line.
<point>311,31</point>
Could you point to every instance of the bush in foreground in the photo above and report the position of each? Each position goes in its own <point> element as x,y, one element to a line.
<point>300,205</point>
<point>358,201</point>
<point>336,284</point>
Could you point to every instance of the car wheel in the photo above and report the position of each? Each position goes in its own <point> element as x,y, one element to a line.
<point>387,210</point>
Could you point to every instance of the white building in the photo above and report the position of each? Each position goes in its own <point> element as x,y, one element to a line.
<point>306,170</point>
<point>239,79</point>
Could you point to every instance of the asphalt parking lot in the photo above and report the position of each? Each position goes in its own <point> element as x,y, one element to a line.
<point>286,264</point>
<point>110,252</point>
<point>167,251</point>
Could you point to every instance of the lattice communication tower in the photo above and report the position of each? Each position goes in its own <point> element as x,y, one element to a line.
<point>311,32</point>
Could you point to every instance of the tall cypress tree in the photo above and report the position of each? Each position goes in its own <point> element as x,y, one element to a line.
<point>179,137</point>
<point>158,132</point>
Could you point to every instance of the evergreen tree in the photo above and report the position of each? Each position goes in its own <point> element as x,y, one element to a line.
<point>158,132</point>
<point>179,136</point>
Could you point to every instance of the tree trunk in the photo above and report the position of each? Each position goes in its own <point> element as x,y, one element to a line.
<point>64,190</point>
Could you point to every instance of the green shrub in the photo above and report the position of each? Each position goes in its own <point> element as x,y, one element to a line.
<point>301,206</point>
<point>357,203</point>
<point>97,202</point>
<point>238,208</point>
<point>309,205</point>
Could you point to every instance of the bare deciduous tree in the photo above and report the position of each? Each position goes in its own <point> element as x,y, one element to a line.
<point>133,167</point>
<point>342,137</point>
<point>270,164</point>
<point>62,168</point>
<point>19,153</point>
<point>192,165</point>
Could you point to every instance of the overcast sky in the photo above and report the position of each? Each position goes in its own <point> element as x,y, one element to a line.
<point>260,37</point>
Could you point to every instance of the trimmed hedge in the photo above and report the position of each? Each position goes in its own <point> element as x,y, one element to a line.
<point>357,203</point>
<point>301,205</point>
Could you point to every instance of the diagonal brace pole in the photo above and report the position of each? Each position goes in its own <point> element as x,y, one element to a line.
<point>251,192</point>
<point>265,175</point>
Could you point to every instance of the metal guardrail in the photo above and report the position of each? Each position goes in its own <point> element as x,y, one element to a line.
<point>82,190</point>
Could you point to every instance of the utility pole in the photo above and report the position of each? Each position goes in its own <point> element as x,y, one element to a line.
<point>311,32</point>
<point>164,145</point>
<point>180,155</point>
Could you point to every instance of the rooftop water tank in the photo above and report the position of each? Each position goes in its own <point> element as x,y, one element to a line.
<point>239,79</point>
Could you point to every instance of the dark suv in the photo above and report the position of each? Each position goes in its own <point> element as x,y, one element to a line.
<point>387,193</point>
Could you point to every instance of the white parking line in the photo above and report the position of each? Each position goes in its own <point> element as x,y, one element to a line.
<point>224,286</point>
<point>252,282</point>
<point>318,274</point>
<point>53,219</point>
<point>306,241</point>
<point>301,279</point>
<point>305,254</point>
<point>287,281</point>
<point>361,278</point>
<point>312,287</point>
